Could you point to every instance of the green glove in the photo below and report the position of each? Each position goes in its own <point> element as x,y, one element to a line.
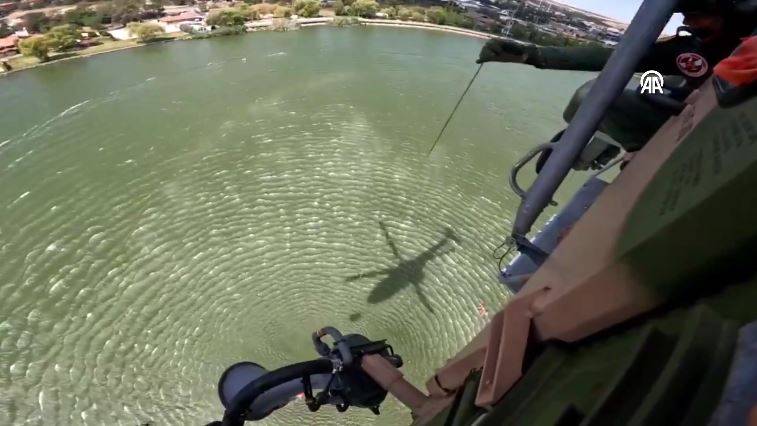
<point>499,50</point>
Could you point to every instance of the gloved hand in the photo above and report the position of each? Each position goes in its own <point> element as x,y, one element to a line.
<point>498,50</point>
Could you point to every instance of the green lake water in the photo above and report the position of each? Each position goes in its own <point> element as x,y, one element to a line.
<point>170,210</point>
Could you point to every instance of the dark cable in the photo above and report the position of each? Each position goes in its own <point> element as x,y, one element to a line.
<point>446,123</point>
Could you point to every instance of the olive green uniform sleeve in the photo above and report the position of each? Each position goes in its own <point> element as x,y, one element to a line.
<point>580,58</point>
<point>594,58</point>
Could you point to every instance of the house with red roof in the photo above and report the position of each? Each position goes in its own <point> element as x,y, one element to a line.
<point>9,45</point>
<point>7,7</point>
<point>189,16</point>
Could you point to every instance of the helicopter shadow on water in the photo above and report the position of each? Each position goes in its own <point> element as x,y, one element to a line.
<point>408,271</point>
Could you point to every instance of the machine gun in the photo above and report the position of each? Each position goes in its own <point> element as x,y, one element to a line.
<point>354,371</point>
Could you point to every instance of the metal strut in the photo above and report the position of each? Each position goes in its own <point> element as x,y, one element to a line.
<point>638,38</point>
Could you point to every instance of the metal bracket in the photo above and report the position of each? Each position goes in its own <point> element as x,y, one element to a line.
<point>520,192</point>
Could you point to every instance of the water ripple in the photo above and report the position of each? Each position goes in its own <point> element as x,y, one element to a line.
<point>221,223</point>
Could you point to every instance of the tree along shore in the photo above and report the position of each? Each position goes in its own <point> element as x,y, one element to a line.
<point>27,62</point>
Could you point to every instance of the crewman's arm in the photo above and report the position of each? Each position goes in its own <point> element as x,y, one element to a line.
<point>579,58</point>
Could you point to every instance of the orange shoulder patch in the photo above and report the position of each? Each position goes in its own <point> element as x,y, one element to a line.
<point>740,69</point>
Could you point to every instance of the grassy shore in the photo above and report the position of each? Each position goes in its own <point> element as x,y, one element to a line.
<point>19,63</point>
<point>26,62</point>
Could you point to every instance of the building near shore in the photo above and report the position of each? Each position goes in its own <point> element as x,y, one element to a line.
<point>9,45</point>
<point>179,9</point>
<point>7,7</point>
<point>173,23</point>
<point>187,16</point>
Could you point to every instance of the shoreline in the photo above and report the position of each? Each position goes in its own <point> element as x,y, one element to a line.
<point>303,23</point>
<point>427,26</point>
